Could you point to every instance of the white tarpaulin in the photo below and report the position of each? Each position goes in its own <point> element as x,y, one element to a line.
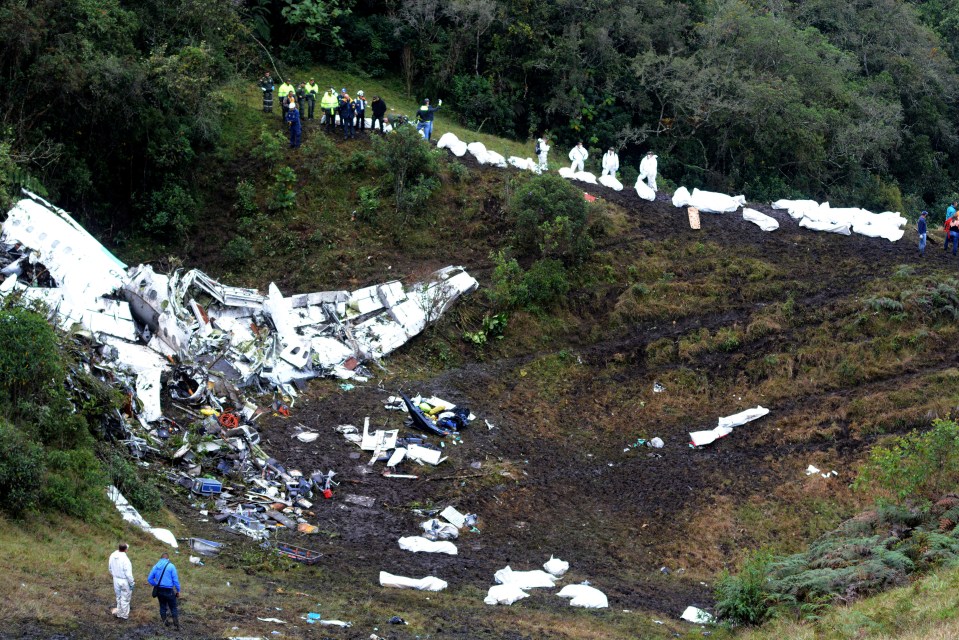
<point>796,208</point>
<point>764,222</point>
<point>478,149</point>
<point>429,583</point>
<point>525,164</point>
<point>700,438</point>
<point>525,579</point>
<point>643,191</point>
<point>611,182</point>
<point>566,172</point>
<point>129,513</point>
<point>584,176</point>
<point>504,594</point>
<point>694,614</point>
<point>681,197</point>
<point>844,220</point>
<point>712,202</point>
<point>556,567</point>
<point>821,224</point>
<point>495,159</point>
<point>584,596</point>
<point>417,544</point>
<point>741,418</point>
<point>456,146</point>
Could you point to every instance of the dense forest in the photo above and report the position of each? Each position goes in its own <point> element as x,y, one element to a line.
<point>110,104</point>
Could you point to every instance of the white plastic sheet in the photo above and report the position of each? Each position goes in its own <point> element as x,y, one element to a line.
<point>556,567</point>
<point>429,583</point>
<point>796,208</point>
<point>681,197</point>
<point>818,224</point>
<point>712,202</point>
<point>694,614</point>
<point>478,149</point>
<point>611,182</point>
<point>741,418</point>
<point>504,594</point>
<point>417,544</point>
<point>701,438</point>
<point>525,579</point>
<point>525,164</point>
<point>764,222</point>
<point>584,596</point>
<point>495,159</point>
<point>566,172</point>
<point>644,192</point>
<point>585,176</point>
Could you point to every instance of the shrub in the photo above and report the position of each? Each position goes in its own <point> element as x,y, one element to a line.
<point>170,209</point>
<point>74,483</point>
<point>410,164</point>
<point>284,197</point>
<point>369,203</point>
<point>550,219</point>
<point>246,197</point>
<point>271,145</point>
<point>744,598</point>
<point>21,471</point>
<point>123,474</point>
<point>30,360</point>
<point>505,290</point>
<point>921,466</point>
<point>545,284</point>
<point>460,172</point>
<point>239,250</point>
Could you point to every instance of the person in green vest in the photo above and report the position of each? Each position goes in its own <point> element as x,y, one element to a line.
<point>329,103</point>
<point>312,91</point>
<point>283,92</point>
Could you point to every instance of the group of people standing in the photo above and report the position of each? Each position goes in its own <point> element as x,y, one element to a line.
<point>351,111</point>
<point>610,163</point>
<point>163,578</point>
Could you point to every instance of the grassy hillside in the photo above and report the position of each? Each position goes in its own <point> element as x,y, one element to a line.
<point>841,337</point>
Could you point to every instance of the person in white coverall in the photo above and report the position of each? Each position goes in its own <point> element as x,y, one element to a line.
<point>647,170</point>
<point>610,163</point>
<point>122,571</point>
<point>578,155</point>
<point>542,153</point>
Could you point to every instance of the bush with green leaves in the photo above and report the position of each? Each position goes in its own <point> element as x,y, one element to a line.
<point>74,483</point>
<point>246,198</point>
<point>271,146</point>
<point>170,209</point>
<point>369,197</point>
<point>744,597</point>
<point>142,492</point>
<point>919,466</point>
<point>542,287</point>
<point>21,471</point>
<point>410,166</point>
<point>284,197</point>
<point>30,358</point>
<point>550,219</point>
<point>238,250</point>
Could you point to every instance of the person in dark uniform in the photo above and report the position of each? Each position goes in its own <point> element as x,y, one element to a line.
<point>266,86</point>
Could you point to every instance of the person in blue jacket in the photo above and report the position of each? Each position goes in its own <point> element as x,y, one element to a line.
<point>293,122</point>
<point>347,116</point>
<point>950,211</point>
<point>164,577</point>
<point>921,227</point>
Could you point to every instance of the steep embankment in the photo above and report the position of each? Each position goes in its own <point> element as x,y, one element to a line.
<point>724,318</point>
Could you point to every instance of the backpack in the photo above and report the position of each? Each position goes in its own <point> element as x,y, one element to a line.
<point>538,148</point>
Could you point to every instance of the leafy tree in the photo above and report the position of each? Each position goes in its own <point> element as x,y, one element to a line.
<point>550,218</point>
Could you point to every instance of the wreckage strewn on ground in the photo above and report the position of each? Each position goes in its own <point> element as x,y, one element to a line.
<point>221,338</point>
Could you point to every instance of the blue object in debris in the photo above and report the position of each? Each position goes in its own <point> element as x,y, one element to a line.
<point>207,486</point>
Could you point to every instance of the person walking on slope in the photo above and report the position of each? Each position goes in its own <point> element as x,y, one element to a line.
<point>294,124</point>
<point>379,112</point>
<point>542,151</point>
<point>424,118</point>
<point>578,155</point>
<point>328,104</point>
<point>311,92</point>
<point>359,105</point>
<point>921,228</point>
<point>610,163</point>
<point>950,212</point>
<point>122,572</point>
<point>647,170</point>
<point>347,115</point>
<point>284,91</point>
<point>266,86</point>
<point>952,233</point>
<point>164,577</point>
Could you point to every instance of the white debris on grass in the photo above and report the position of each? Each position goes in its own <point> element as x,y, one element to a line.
<point>556,567</point>
<point>504,594</point>
<point>584,595</point>
<point>741,418</point>
<point>525,579</point>
<point>429,583</point>
<point>707,201</point>
<point>611,182</point>
<point>761,220</point>
<point>129,513</point>
<point>418,544</point>
<point>698,616</point>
